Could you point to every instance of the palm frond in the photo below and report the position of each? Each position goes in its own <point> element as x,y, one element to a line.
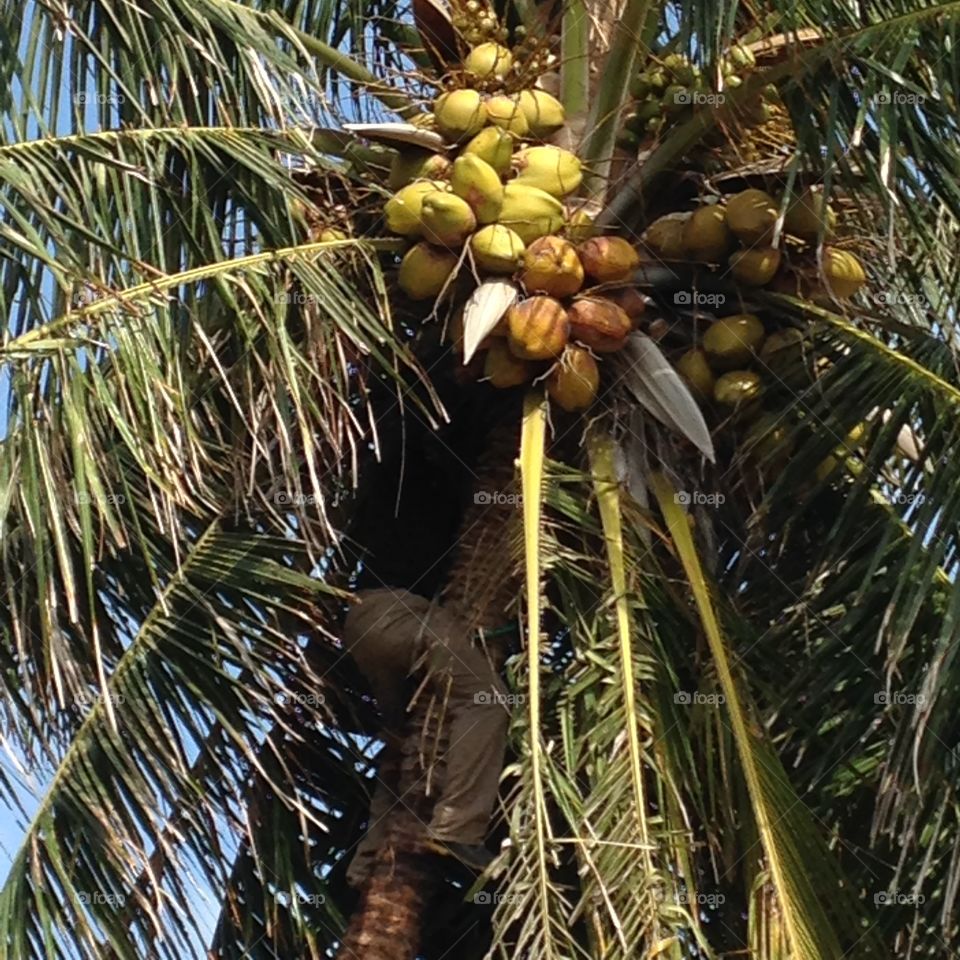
<point>214,651</point>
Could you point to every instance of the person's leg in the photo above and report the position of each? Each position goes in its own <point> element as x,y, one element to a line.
<point>479,717</point>
<point>381,803</point>
<point>382,633</point>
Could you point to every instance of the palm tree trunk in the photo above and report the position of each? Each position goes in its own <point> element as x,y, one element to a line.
<point>388,921</point>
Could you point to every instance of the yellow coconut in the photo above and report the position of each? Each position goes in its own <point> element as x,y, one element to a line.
<point>738,389</point>
<point>460,114</point>
<point>705,234</point>
<point>551,266</point>
<point>403,210</point>
<point>496,249</point>
<point>742,57</point>
<point>732,341</point>
<point>549,168</point>
<point>488,60</point>
<point>809,215</point>
<point>785,355</point>
<point>607,259</point>
<point>494,146</point>
<point>574,381</point>
<point>530,212</point>
<point>843,272</point>
<point>755,267</point>
<point>425,270</point>
<point>665,236</point>
<point>544,113</point>
<point>579,227</point>
<point>789,339</point>
<point>599,323</point>
<point>694,367</point>
<point>503,369</point>
<point>446,218</point>
<point>479,184</point>
<point>504,112</point>
<point>538,328</point>
<point>751,215</point>
<point>416,165</point>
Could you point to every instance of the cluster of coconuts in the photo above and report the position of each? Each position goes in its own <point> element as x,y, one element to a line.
<point>497,204</point>
<point>668,90</point>
<point>562,328</point>
<point>476,23</point>
<point>729,370</point>
<point>738,234</point>
<point>718,369</point>
<point>503,189</point>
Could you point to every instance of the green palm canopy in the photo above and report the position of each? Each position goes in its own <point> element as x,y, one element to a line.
<point>739,737</point>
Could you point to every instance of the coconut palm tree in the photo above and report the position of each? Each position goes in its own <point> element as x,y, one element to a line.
<point>222,413</point>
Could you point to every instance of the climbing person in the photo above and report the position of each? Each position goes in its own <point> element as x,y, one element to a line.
<point>392,633</point>
<point>434,570</point>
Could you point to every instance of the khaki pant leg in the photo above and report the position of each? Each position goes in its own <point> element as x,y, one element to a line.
<point>381,803</point>
<point>479,718</point>
<point>383,633</point>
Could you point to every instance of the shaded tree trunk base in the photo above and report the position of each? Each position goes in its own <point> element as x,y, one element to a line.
<point>387,922</point>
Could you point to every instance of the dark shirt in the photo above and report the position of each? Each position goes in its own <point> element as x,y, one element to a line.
<point>406,524</point>
<point>408,543</point>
